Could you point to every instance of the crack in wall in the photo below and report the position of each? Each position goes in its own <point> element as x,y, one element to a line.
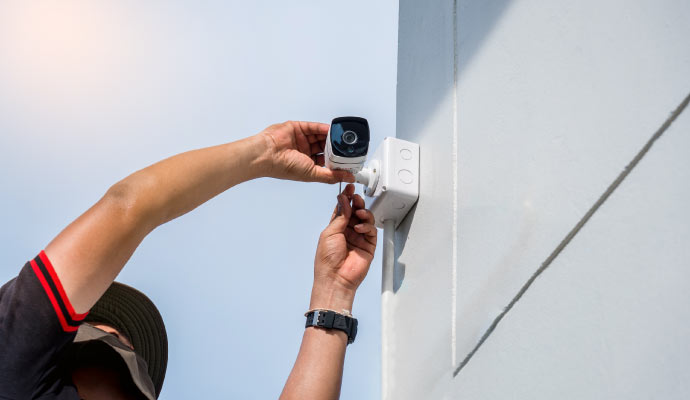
<point>576,229</point>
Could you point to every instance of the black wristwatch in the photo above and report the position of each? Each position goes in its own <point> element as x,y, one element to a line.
<point>332,320</point>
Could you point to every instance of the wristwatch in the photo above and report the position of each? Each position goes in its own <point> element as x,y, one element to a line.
<point>332,320</point>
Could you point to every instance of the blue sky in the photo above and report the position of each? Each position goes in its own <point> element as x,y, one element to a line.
<point>91,91</point>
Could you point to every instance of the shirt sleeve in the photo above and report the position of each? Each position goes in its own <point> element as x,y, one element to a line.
<point>37,322</point>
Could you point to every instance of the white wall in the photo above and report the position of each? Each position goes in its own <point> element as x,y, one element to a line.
<point>526,111</point>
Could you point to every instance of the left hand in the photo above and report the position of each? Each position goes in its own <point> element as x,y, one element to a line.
<point>295,152</point>
<point>344,253</point>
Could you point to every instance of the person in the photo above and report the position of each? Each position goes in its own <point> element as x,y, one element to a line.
<point>68,331</point>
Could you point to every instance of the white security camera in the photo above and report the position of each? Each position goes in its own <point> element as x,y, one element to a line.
<point>347,144</point>
<point>390,178</point>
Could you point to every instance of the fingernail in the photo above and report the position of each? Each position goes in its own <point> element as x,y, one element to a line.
<point>359,226</point>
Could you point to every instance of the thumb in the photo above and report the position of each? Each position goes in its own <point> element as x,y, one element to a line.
<point>341,216</point>
<point>327,175</point>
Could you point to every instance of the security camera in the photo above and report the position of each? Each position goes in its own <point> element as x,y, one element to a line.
<point>347,144</point>
<point>390,178</point>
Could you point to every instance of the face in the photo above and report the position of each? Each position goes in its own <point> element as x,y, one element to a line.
<point>102,383</point>
<point>101,374</point>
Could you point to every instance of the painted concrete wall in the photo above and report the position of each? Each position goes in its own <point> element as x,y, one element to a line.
<point>526,112</point>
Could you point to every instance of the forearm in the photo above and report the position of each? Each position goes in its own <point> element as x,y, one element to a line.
<point>318,371</point>
<point>91,251</point>
<point>177,185</point>
<point>343,256</point>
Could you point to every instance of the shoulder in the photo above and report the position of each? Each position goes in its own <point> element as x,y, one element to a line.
<point>37,323</point>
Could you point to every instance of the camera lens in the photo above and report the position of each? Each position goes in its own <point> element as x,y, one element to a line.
<point>349,137</point>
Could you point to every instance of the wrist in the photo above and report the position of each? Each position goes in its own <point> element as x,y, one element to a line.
<point>261,159</point>
<point>331,297</point>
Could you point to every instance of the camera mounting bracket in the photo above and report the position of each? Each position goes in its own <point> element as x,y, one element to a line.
<point>391,180</point>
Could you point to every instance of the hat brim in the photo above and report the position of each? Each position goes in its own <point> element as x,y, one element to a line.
<point>133,314</point>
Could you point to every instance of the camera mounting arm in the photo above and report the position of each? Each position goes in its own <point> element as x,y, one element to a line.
<point>369,177</point>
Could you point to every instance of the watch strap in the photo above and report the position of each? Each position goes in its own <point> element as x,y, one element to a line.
<point>329,319</point>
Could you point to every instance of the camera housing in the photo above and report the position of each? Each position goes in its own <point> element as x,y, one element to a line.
<point>347,144</point>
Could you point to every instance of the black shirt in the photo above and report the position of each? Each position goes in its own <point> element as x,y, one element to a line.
<point>37,324</point>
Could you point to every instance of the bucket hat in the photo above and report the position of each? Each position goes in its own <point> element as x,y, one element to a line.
<point>133,314</point>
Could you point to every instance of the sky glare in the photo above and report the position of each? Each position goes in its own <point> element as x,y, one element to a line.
<point>91,91</point>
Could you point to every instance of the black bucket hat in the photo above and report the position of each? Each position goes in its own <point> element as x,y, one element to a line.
<point>134,315</point>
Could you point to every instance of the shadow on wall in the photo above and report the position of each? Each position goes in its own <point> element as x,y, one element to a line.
<point>401,236</point>
<point>430,61</point>
<point>426,54</point>
<point>476,19</point>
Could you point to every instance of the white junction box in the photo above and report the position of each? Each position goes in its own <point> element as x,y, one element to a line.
<point>395,166</point>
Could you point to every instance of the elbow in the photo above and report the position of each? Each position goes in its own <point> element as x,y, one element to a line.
<point>122,195</point>
<point>127,202</point>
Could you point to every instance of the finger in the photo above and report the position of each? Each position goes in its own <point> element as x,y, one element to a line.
<point>340,219</point>
<point>365,229</point>
<point>326,175</point>
<point>359,241</point>
<point>354,221</point>
<point>311,128</point>
<point>370,232</point>
<point>317,138</point>
<point>319,160</point>
<point>302,144</point>
<point>357,202</point>
<point>349,191</point>
<point>344,176</point>
<point>365,215</point>
<point>316,147</point>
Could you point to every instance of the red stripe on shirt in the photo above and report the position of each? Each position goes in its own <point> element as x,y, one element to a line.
<point>52,299</point>
<point>49,266</point>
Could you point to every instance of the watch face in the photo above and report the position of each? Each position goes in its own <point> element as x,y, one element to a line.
<point>350,137</point>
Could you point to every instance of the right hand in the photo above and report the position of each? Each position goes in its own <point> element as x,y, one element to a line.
<point>344,253</point>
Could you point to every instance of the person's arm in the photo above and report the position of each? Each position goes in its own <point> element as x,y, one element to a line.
<point>345,250</point>
<point>91,251</point>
